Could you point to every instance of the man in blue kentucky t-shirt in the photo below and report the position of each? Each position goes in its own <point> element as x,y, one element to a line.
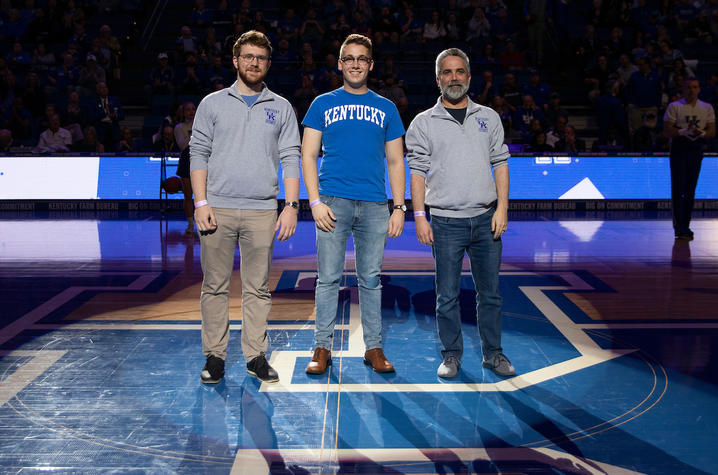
<point>356,128</point>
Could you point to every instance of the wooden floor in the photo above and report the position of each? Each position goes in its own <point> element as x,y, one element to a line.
<point>611,324</point>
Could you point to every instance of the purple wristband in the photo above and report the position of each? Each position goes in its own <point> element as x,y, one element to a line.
<point>419,213</point>
<point>314,203</point>
<point>201,203</point>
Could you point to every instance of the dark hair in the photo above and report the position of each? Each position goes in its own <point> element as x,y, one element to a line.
<point>252,37</point>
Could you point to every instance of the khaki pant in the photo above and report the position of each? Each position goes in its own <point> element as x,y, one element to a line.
<point>254,230</point>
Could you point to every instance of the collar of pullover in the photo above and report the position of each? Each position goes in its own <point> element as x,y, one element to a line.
<point>265,95</point>
<point>440,111</point>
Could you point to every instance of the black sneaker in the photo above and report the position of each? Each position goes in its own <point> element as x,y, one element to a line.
<point>213,370</point>
<point>260,369</point>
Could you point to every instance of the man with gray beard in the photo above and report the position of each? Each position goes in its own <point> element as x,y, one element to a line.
<point>452,150</point>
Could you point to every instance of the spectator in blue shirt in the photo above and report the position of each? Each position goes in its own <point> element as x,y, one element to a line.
<point>683,13</point>
<point>641,13</point>
<point>161,78</point>
<point>709,93</point>
<point>65,77</point>
<point>501,26</point>
<point>610,114</point>
<point>15,26</point>
<point>526,113</point>
<point>539,90</point>
<point>643,94</point>
<point>283,56</point>
<point>190,79</point>
<point>18,120</point>
<point>18,59</point>
<point>200,16</point>
<point>288,26</point>
<point>486,89</point>
<point>218,74</point>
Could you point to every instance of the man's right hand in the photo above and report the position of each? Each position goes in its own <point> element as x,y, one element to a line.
<point>324,217</point>
<point>423,230</point>
<point>204,218</point>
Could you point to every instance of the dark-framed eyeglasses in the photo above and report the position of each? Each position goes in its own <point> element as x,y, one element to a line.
<point>362,60</point>
<point>249,58</point>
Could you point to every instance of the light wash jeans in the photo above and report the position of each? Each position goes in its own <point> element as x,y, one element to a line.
<point>452,238</point>
<point>368,221</point>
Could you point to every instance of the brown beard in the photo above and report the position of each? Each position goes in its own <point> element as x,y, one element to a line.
<point>249,82</point>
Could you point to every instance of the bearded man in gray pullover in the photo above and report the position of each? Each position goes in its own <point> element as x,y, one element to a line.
<point>452,150</point>
<point>239,137</point>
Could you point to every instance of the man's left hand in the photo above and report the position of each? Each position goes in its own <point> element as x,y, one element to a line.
<point>286,223</point>
<point>499,222</point>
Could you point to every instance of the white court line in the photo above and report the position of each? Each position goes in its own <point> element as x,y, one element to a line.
<point>590,352</point>
<point>310,326</point>
<point>15,382</point>
<point>284,361</point>
<point>258,462</point>
<point>646,326</point>
<point>520,381</point>
<point>165,326</point>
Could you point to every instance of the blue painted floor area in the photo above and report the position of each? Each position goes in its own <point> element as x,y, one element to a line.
<point>601,387</point>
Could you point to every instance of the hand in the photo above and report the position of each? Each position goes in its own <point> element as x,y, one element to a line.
<point>323,217</point>
<point>499,222</point>
<point>204,217</point>
<point>695,132</point>
<point>396,223</point>
<point>286,223</point>
<point>423,230</point>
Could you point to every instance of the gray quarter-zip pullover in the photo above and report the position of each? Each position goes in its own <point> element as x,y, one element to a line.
<point>241,147</point>
<point>457,159</point>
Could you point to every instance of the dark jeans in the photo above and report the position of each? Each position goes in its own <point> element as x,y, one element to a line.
<point>685,168</point>
<point>452,238</point>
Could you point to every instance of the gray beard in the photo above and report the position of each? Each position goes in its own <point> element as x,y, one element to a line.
<point>453,93</point>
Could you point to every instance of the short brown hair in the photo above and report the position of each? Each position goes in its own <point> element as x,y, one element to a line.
<point>356,39</point>
<point>252,37</point>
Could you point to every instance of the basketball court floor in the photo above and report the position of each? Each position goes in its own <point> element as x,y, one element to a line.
<point>611,325</point>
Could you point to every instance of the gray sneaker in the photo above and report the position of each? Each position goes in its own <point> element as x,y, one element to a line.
<point>500,365</point>
<point>449,368</point>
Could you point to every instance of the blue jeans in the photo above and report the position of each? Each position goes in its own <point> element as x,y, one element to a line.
<point>369,222</point>
<point>452,238</point>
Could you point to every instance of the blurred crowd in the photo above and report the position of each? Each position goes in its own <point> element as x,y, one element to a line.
<point>64,71</point>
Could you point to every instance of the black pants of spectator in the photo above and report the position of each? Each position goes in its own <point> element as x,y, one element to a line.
<point>685,167</point>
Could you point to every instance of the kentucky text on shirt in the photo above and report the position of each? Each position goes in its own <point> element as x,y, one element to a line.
<point>354,112</point>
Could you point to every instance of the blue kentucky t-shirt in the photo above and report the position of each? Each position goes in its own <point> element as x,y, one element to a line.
<point>354,129</point>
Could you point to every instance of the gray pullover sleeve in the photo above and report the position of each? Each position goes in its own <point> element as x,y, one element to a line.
<point>418,147</point>
<point>202,136</point>
<point>498,150</point>
<point>289,144</point>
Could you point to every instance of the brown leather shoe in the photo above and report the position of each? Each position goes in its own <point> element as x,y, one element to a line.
<point>376,359</point>
<point>321,359</point>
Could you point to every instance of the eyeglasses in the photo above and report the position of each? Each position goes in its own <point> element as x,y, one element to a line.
<point>362,60</point>
<point>249,58</point>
